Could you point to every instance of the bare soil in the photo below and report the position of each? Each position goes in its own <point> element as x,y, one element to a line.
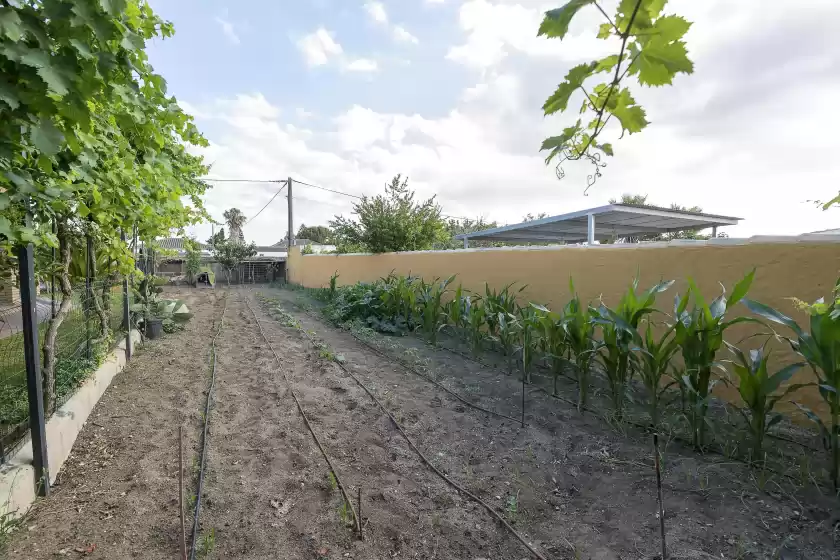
<point>571,485</point>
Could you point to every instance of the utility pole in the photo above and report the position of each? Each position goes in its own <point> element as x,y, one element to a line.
<point>291,218</point>
<point>291,239</point>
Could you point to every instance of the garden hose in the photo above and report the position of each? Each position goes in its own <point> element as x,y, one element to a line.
<point>204,431</point>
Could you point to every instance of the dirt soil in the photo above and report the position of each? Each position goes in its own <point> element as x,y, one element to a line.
<point>572,486</point>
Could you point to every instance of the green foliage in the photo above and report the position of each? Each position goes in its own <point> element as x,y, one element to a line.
<point>579,325</point>
<point>760,392</point>
<point>651,51</point>
<point>389,223</point>
<point>192,262</point>
<point>432,315</point>
<point>654,367</point>
<point>170,326</point>
<point>317,234</point>
<point>821,349</point>
<point>700,335</point>
<point>235,220</point>
<point>206,544</point>
<point>307,250</point>
<point>230,254</point>
<point>551,339</point>
<point>620,333</point>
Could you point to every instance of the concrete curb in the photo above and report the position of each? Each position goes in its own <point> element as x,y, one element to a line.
<point>17,476</point>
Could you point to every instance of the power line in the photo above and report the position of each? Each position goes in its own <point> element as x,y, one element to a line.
<point>306,185</point>
<point>326,189</point>
<point>245,180</point>
<point>267,203</point>
<point>359,197</point>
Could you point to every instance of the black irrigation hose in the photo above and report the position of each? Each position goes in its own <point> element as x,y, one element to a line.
<point>204,432</point>
<point>344,493</point>
<point>410,369</point>
<point>429,464</point>
<point>644,427</point>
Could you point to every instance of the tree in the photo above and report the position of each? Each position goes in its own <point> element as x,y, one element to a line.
<point>641,200</point>
<point>530,217</point>
<point>89,139</point>
<point>458,227</point>
<point>319,234</point>
<point>235,219</point>
<point>391,222</point>
<point>192,263</point>
<point>650,51</point>
<point>230,253</point>
<point>217,237</point>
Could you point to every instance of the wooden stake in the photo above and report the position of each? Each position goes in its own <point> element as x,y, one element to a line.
<point>361,536</point>
<point>181,492</point>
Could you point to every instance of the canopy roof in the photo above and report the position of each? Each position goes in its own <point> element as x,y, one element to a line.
<point>602,223</point>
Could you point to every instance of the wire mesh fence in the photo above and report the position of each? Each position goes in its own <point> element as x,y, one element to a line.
<point>80,346</point>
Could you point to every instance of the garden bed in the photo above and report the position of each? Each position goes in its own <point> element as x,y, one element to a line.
<point>570,485</point>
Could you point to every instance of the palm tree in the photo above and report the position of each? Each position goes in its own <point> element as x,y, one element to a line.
<point>235,220</point>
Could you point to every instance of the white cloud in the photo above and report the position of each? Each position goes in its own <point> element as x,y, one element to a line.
<point>376,12</point>
<point>361,65</point>
<point>319,47</point>
<point>228,30</point>
<point>303,113</point>
<point>403,35</point>
<point>728,138</point>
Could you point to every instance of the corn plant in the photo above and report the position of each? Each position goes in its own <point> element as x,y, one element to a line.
<point>524,327</point>
<point>476,319</point>
<point>456,309</point>
<point>620,329</point>
<point>333,285</point>
<point>503,301</point>
<point>655,357</point>
<point>700,335</point>
<point>506,336</point>
<point>579,325</point>
<point>429,306</point>
<point>821,349</point>
<point>759,390</point>
<point>399,297</point>
<point>551,339</point>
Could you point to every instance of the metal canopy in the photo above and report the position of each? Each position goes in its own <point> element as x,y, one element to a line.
<point>602,223</point>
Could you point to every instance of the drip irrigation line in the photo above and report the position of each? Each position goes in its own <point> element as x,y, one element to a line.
<point>340,485</point>
<point>410,369</point>
<point>429,464</point>
<point>204,432</point>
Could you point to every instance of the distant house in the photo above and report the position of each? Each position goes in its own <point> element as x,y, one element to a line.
<point>315,246</point>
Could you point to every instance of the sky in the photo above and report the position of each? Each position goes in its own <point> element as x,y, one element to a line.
<point>345,94</point>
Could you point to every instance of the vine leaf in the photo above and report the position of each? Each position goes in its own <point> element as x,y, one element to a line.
<point>10,25</point>
<point>671,28</point>
<point>557,143</point>
<point>631,116</point>
<point>659,62</point>
<point>556,22</point>
<point>8,95</point>
<point>559,100</point>
<point>46,137</point>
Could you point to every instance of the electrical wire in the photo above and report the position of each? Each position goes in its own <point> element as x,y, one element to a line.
<point>267,203</point>
<point>246,180</point>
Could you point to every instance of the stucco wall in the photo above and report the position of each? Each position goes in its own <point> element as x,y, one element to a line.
<point>806,267</point>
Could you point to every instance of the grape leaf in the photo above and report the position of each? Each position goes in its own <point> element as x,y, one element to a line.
<point>557,143</point>
<point>608,149</point>
<point>604,31</point>
<point>556,22</point>
<point>8,94</point>
<point>659,62</point>
<point>671,28</point>
<point>46,137</point>
<point>606,64</point>
<point>630,115</point>
<point>559,100</point>
<point>10,24</point>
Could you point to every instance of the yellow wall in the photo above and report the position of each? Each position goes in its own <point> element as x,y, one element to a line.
<point>806,268</point>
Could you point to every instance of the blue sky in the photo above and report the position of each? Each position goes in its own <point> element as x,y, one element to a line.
<point>348,93</point>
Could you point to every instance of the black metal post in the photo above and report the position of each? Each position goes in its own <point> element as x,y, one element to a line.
<point>126,316</point>
<point>88,295</point>
<point>35,390</point>
<point>52,276</point>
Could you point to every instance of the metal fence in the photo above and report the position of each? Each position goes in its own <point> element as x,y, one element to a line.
<point>79,348</point>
